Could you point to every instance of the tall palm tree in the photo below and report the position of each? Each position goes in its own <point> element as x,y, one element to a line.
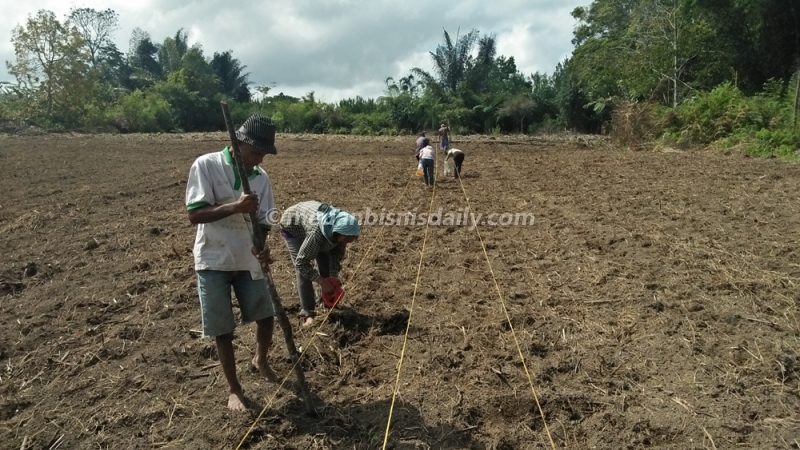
<point>479,68</point>
<point>142,59</point>
<point>230,72</point>
<point>172,51</point>
<point>450,62</point>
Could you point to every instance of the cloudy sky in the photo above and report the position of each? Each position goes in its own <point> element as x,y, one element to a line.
<point>336,48</point>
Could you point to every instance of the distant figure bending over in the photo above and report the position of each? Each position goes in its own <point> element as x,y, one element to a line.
<point>316,232</point>
<point>458,158</point>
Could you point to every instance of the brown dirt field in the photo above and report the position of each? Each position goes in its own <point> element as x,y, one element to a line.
<point>654,299</point>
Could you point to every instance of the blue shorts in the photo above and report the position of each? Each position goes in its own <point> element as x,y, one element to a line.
<point>216,308</point>
<point>445,144</point>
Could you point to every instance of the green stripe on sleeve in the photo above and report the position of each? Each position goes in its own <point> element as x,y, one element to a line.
<point>197,205</point>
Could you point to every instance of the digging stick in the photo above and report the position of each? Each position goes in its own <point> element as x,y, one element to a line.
<point>796,97</point>
<point>449,137</point>
<point>258,243</point>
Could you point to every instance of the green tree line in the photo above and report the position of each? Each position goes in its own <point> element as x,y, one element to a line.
<point>681,72</point>
<point>688,72</point>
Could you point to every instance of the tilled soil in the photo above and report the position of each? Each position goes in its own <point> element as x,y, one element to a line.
<point>654,300</point>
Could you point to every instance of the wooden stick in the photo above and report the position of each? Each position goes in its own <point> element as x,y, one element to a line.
<point>258,243</point>
<point>796,99</point>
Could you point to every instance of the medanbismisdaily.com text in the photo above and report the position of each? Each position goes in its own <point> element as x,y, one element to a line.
<point>440,217</point>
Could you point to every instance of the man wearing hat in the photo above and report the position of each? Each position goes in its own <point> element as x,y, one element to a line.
<point>444,138</point>
<point>224,256</point>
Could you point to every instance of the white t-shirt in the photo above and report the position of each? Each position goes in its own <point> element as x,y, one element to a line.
<point>426,152</point>
<point>453,152</point>
<point>226,244</point>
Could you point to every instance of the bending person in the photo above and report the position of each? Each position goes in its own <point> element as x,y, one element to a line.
<point>458,159</point>
<point>316,231</point>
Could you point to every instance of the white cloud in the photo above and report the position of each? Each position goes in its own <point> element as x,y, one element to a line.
<point>538,39</point>
<point>337,48</point>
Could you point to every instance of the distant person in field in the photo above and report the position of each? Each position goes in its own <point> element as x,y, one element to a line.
<point>426,158</point>
<point>224,257</point>
<point>425,142</point>
<point>458,159</point>
<point>444,138</point>
<point>422,141</point>
<point>316,231</point>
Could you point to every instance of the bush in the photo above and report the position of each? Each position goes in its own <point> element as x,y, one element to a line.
<point>769,109</point>
<point>633,124</point>
<point>137,112</point>
<point>548,125</point>
<point>16,108</point>
<point>371,124</point>
<point>714,115</point>
<point>190,110</point>
<point>784,143</point>
<point>97,118</point>
<point>278,119</point>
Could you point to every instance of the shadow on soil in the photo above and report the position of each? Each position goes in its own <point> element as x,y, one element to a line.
<point>362,427</point>
<point>353,326</point>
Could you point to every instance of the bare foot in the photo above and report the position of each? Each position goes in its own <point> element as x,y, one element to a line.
<point>237,402</point>
<point>308,322</point>
<point>265,370</point>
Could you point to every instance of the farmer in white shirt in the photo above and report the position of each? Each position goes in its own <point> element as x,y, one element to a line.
<point>224,256</point>
<point>426,159</point>
<point>458,159</point>
<point>422,141</point>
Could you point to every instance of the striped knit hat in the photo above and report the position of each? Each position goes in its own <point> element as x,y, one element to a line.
<point>258,131</point>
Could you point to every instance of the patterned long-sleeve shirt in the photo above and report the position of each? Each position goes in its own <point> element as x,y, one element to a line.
<point>420,143</point>
<point>301,221</point>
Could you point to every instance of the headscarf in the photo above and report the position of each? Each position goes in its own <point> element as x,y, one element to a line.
<point>334,220</point>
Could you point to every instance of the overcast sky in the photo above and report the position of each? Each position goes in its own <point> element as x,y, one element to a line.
<point>336,48</point>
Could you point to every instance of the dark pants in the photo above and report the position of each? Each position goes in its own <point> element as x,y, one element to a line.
<point>305,287</point>
<point>458,159</point>
<point>427,171</point>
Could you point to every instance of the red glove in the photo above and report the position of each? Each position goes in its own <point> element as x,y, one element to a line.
<point>331,300</point>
